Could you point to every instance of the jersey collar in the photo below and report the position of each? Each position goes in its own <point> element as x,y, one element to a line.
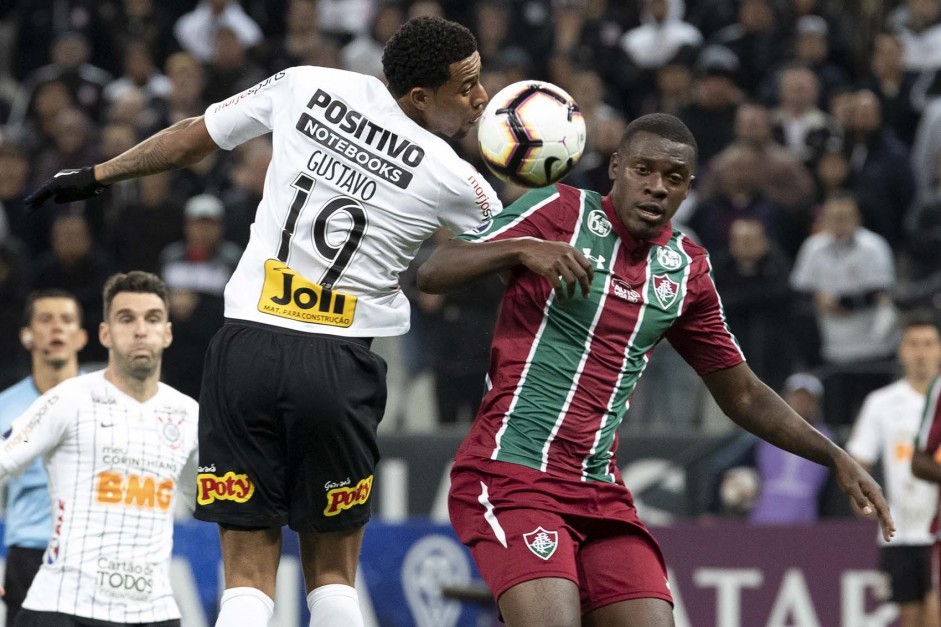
<point>631,243</point>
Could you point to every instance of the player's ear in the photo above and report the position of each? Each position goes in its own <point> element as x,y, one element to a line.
<point>26,338</point>
<point>418,96</point>
<point>81,339</point>
<point>104,335</point>
<point>168,335</point>
<point>613,165</point>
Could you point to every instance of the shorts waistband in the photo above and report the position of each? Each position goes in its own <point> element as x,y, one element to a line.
<point>365,342</point>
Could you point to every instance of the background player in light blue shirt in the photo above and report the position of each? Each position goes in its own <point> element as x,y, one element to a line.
<point>52,332</point>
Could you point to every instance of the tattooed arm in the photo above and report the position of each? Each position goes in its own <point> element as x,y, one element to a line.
<point>182,144</point>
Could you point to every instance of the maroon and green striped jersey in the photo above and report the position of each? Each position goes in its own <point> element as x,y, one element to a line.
<point>562,370</point>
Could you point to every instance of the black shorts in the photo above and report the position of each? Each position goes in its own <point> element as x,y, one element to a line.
<point>31,618</point>
<point>287,429</point>
<point>22,565</point>
<point>909,571</point>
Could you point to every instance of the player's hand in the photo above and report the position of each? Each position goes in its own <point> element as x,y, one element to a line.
<point>66,186</point>
<point>564,266</point>
<point>865,494</point>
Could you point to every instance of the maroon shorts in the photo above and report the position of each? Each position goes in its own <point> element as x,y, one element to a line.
<point>521,524</point>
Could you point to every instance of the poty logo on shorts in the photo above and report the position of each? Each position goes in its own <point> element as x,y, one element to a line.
<point>541,542</point>
<point>339,499</point>
<point>228,487</point>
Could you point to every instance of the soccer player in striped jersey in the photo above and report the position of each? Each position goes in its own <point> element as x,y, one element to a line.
<point>536,493</point>
<point>360,175</point>
<point>926,464</point>
<point>119,448</point>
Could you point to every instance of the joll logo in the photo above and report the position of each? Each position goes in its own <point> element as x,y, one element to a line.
<point>228,487</point>
<point>339,499</point>
<point>665,289</point>
<point>541,542</point>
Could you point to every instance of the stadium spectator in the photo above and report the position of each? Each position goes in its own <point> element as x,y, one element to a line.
<point>76,265</point>
<point>31,229</point>
<point>918,25</point>
<point>196,270</point>
<point>895,86</point>
<point>884,431</point>
<point>755,39</point>
<point>52,334</point>
<point>736,195</point>
<point>247,177</point>
<point>846,271</point>
<point>752,276</point>
<point>922,230</point>
<point>154,210</point>
<point>140,72</point>
<point>661,35</point>
<point>364,53</point>
<point>716,96</point>
<point>197,31</point>
<point>77,427</point>
<point>230,70</point>
<point>798,122</point>
<point>187,79</point>
<point>72,141</point>
<point>768,486</point>
<point>70,66</point>
<point>880,174</point>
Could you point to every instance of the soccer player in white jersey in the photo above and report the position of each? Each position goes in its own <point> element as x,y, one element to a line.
<point>536,493</point>
<point>885,430</point>
<point>119,448</point>
<point>291,395</point>
<point>52,333</point>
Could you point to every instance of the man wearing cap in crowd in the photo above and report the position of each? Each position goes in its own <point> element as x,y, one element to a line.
<point>886,430</point>
<point>766,484</point>
<point>196,270</point>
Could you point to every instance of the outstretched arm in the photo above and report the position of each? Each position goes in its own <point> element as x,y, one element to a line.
<point>755,407</point>
<point>184,143</point>
<point>456,262</point>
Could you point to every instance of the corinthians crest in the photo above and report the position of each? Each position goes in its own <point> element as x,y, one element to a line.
<point>541,542</point>
<point>665,290</point>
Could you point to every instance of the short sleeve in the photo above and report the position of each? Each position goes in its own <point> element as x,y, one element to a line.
<point>249,114</point>
<point>700,334</point>
<point>864,441</point>
<point>38,430</point>
<point>537,213</point>
<point>467,200</point>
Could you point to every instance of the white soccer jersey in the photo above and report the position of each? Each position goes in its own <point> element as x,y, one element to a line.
<point>115,468</point>
<point>886,429</point>
<point>353,189</point>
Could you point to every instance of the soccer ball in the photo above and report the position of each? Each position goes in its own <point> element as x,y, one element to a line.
<point>531,134</point>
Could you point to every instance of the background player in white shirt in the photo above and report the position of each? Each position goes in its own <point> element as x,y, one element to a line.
<point>886,430</point>
<point>119,448</point>
<point>291,395</point>
<point>52,333</point>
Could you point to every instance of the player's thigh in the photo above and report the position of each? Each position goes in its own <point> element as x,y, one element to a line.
<point>329,558</point>
<point>511,539</point>
<point>621,561</point>
<point>632,613</point>
<point>331,409</point>
<point>242,466</point>
<point>544,602</point>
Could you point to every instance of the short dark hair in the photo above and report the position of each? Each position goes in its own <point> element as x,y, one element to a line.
<point>30,309</point>
<point>664,125</point>
<point>421,52</point>
<point>920,318</point>
<point>135,281</point>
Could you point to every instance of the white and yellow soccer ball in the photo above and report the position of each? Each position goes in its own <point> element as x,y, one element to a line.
<point>531,133</point>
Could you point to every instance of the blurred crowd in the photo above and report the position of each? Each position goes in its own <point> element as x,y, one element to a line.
<point>818,191</point>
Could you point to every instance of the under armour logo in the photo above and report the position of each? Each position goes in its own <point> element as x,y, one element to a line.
<point>599,260</point>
